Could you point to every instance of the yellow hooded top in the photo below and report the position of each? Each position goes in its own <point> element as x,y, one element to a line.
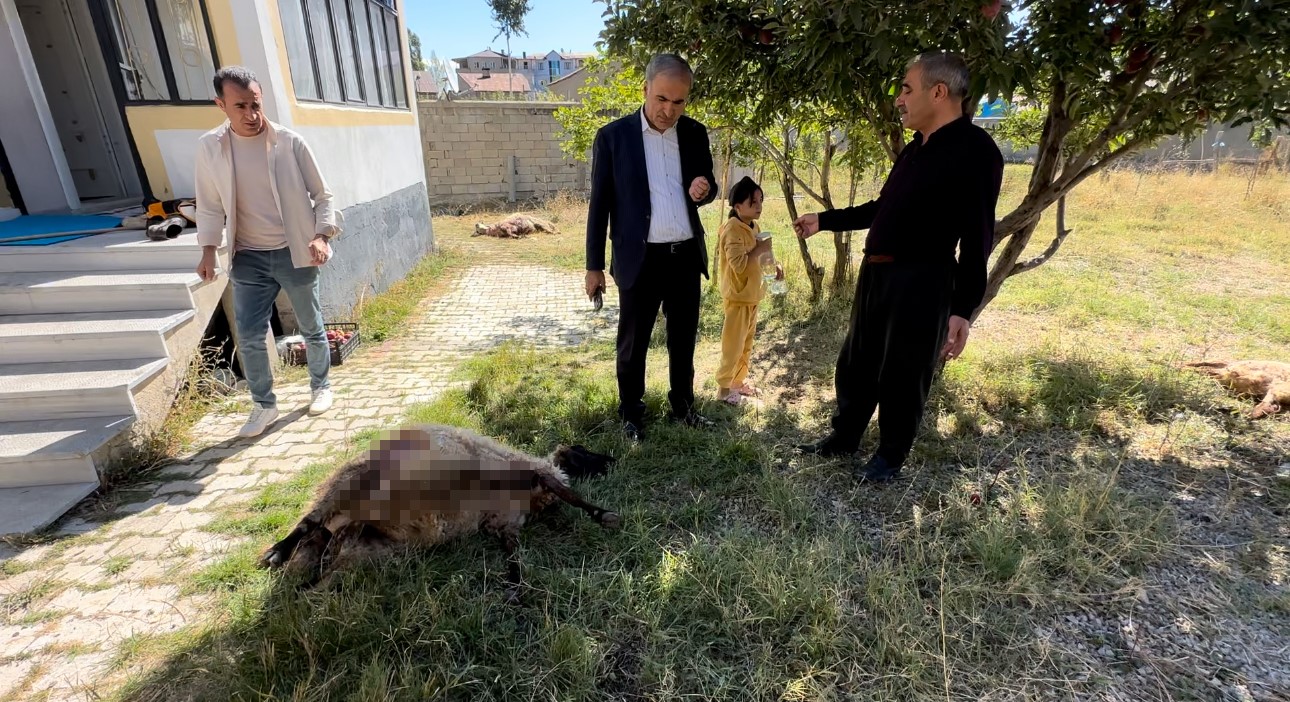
<point>741,281</point>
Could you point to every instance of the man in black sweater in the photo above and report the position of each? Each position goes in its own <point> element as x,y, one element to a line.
<point>913,300</point>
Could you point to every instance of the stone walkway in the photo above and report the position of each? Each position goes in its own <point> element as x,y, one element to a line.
<point>67,606</point>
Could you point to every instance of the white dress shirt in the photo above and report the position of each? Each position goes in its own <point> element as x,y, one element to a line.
<point>669,221</point>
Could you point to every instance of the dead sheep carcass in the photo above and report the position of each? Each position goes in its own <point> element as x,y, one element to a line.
<point>429,484</point>
<point>1267,380</point>
<point>516,226</point>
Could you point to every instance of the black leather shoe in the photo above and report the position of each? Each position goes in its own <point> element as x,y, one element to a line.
<point>830,447</point>
<point>634,432</point>
<point>877,470</point>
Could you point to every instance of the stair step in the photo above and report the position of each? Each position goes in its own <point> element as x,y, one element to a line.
<point>24,510</point>
<point>54,452</point>
<point>125,250</point>
<point>32,391</point>
<point>50,292</point>
<point>87,336</point>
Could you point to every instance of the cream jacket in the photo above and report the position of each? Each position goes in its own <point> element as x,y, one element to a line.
<point>302,196</point>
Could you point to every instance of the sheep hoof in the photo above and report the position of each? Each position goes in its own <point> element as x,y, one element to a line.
<point>610,520</point>
<point>272,559</point>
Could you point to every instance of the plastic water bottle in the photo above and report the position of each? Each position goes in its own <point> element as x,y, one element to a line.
<point>768,275</point>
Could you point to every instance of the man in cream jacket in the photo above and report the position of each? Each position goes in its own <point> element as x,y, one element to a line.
<point>259,182</point>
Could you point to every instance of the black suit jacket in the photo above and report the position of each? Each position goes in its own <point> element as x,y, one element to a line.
<point>620,205</point>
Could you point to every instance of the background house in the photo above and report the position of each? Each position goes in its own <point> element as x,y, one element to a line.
<point>539,70</point>
<point>427,88</point>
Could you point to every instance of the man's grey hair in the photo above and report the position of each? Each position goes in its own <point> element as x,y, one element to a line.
<point>670,64</point>
<point>943,67</point>
<point>239,75</point>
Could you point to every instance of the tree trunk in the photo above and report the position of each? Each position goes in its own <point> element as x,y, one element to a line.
<point>814,273</point>
<point>1020,224</point>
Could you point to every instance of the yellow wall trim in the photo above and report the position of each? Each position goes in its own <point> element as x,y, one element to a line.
<point>146,120</point>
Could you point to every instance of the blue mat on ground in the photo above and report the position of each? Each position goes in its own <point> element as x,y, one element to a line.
<point>54,225</point>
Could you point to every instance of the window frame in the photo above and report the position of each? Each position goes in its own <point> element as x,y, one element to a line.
<point>158,34</point>
<point>377,14</point>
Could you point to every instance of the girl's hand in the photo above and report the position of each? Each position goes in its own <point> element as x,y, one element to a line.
<point>779,272</point>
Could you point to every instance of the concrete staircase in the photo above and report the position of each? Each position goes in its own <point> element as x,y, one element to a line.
<point>95,335</point>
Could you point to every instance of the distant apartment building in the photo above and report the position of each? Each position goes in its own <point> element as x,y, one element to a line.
<point>483,70</point>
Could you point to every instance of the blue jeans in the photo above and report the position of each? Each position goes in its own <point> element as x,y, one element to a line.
<point>257,277</point>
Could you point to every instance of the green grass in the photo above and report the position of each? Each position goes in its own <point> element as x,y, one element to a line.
<point>1054,475</point>
<point>384,314</point>
<point>728,580</point>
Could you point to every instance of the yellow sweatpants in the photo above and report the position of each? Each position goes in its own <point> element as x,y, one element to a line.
<point>736,343</point>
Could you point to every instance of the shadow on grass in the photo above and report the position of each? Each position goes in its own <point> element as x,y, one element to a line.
<point>738,574</point>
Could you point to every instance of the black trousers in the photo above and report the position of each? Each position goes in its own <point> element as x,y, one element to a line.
<point>669,277</point>
<point>898,325</point>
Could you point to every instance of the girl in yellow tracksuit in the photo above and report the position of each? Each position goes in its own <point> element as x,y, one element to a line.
<point>739,259</point>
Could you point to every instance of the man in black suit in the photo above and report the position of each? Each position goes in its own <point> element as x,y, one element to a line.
<point>650,173</point>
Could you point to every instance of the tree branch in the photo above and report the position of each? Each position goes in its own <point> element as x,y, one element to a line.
<point>1041,259</point>
<point>786,167</point>
<point>1116,126</point>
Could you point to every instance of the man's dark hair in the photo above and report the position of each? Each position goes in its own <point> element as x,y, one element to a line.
<point>239,75</point>
<point>743,191</point>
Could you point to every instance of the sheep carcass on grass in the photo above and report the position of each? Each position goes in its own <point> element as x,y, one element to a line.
<point>429,484</point>
<point>1267,380</point>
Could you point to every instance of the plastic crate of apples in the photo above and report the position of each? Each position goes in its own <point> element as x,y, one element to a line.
<point>342,339</point>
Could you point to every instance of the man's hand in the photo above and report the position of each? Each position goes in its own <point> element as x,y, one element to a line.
<point>956,339</point>
<point>595,281</point>
<point>699,189</point>
<point>206,267</point>
<point>807,225</point>
<point>320,250</point>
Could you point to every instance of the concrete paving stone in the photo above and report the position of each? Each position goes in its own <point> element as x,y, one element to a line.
<point>75,527</point>
<point>178,486</point>
<point>87,604</point>
<point>233,482</point>
<point>204,543</point>
<point>218,452</point>
<point>150,523</point>
<point>142,506</point>
<point>188,521</point>
<point>18,639</point>
<point>33,554</point>
<point>140,547</point>
<point>24,581</point>
<point>73,676</point>
<point>148,570</point>
<point>82,573</point>
<point>12,676</point>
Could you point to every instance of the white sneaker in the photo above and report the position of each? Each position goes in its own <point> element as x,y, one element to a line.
<point>261,418</point>
<point>321,401</point>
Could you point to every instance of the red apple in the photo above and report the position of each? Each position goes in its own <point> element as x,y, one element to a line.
<point>747,31</point>
<point>975,498</point>
<point>1138,58</point>
<point>1114,34</point>
<point>992,10</point>
<point>766,37</point>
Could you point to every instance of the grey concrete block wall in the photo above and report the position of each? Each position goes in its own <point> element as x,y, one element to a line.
<point>469,144</point>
